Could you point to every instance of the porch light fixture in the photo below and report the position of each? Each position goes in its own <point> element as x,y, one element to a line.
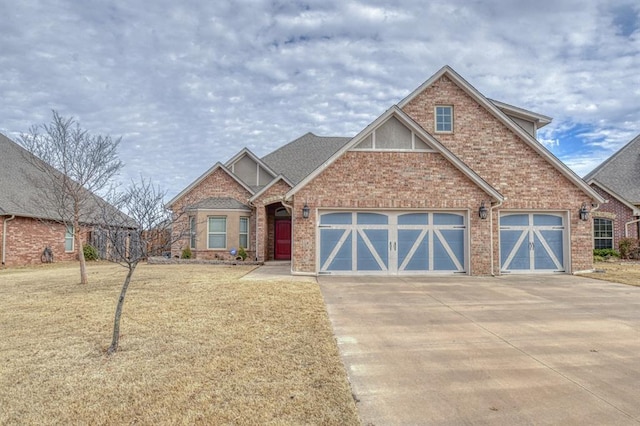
<point>305,211</point>
<point>584,213</point>
<point>483,211</point>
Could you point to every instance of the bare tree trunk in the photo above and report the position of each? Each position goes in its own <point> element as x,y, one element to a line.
<point>116,321</point>
<point>84,279</point>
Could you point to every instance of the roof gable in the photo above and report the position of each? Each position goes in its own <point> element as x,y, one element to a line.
<point>195,183</point>
<point>270,185</point>
<point>250,169</point>
<point>403,118</point>
<point>621,172</point>
<point>496,112</point>
<point>392,135</point>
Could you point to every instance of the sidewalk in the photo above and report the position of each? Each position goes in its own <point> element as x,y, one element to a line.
<point>277,270</point>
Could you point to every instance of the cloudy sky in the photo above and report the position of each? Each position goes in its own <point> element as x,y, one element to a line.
<point>189,83</point>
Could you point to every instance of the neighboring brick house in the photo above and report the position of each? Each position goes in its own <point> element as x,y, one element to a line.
<point>617,180</point>
<point>446,181</point>
<point>27,226</point>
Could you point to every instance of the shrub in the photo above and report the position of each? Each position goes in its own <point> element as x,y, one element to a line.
<point>242,253</point>
<point>606,253</point>
<point>186,253</point>
<point>627,246</point>
<point>598,259</point>
<point>90,252</point>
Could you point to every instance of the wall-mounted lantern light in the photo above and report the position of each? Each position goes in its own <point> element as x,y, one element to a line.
<point>584,213</point>
<point>305,211</point>
<point>483,211</point>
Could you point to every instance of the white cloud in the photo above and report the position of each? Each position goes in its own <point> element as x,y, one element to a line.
<point>193,82</point>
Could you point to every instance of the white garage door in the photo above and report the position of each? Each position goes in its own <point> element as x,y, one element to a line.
<point>392,242</point>
<point>532,242</point>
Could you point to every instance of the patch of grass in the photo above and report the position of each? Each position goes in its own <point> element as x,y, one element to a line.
<point>197,346</point>
<point>619,272</point>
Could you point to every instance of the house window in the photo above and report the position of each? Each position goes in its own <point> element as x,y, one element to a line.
<point>68,239</point>
<point>244,232</point>
<point>217,232</point>
<point>444,119</point>
<point>192,232</point>
<point>603,233</point>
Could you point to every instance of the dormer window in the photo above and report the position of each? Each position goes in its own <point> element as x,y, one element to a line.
<point>444,119</point>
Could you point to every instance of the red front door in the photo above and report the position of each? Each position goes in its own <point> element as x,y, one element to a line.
<point>283,240</point>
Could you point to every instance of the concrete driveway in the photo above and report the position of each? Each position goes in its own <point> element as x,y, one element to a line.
<point>508,350</point>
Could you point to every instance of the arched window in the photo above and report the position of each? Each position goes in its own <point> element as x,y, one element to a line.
<point>602,233</point>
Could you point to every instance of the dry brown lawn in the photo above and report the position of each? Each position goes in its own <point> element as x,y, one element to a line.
<point>198,346</point>
<point>619,272</point>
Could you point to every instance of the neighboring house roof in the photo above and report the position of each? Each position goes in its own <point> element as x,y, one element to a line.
<point>396,112</point>
<point>621,172</point>
<point>510,124</point>
<point>634,209</point>
<point>203,176</point>
<point>22,183</point>
<point>220,203</point>
<point>297,159</point>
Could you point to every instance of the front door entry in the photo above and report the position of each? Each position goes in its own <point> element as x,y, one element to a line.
<point>283,240</point>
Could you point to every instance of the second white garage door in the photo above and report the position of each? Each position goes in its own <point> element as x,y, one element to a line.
<point>392,242</point>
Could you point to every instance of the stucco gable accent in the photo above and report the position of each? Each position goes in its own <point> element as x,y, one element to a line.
<point>634,209</point>
<point>271,184</point>
<point>246,152</point>
<point>401,116</point>
<point>509,123</point>
<point>206,174</point>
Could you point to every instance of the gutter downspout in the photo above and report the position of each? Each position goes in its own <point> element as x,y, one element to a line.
<point>491,233</point>
<point>289,208</point>
<point>4,237</point>
<point>626,228</point>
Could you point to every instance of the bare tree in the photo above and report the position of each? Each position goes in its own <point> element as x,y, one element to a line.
<point>77,166</point>
<point>132,239</point>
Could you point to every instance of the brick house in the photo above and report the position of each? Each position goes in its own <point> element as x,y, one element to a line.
<point>617,180</point>
<point>27,226</point>
<point>446,181</point>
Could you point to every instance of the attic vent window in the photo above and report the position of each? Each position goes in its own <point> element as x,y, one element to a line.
<point>444,119</point>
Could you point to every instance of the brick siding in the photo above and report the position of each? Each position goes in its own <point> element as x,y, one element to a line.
<point>388,180</point>
<point>26,239</point>
<point>619,213</point>
<point>217,184</point>
<point>526,179</point>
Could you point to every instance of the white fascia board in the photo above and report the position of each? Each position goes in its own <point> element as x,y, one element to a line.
<point>273,182</point>
<point>539,119</point>
<point>248,153</point>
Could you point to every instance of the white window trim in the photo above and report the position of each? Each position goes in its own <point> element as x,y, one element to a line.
<point>248,233</point>
<point>613,246</point>
<point>435,119</point>
<point>209,233</point>
<point>192,232</point>
<point>69,230</point>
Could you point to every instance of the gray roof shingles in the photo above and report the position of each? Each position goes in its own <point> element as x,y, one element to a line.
<point>297,159</point>
<point>22,183</point>
<point>621,172</point>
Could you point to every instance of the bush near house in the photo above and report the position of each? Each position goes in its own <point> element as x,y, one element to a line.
<point>629,248</point>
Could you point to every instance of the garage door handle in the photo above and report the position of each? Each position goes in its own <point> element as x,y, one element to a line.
<point>392,245</point>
